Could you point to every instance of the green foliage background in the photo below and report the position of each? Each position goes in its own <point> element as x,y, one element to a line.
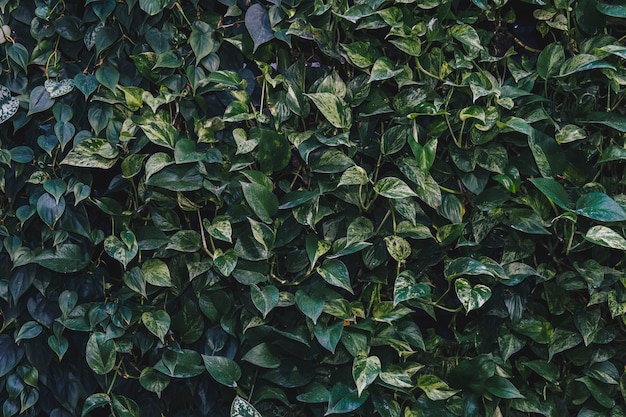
<point>304,208</point>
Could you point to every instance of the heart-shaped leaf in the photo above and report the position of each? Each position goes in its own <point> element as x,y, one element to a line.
<point>471,297</point>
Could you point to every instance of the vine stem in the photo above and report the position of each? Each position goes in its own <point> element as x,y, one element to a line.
<point>202,234</point>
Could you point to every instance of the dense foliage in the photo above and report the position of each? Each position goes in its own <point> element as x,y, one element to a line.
<point>303,208</point>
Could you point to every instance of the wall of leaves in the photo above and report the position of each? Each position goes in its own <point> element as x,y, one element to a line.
<point>404,208</point>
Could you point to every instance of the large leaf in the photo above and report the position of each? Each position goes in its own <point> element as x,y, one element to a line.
<point>100,353</point>
<point>365,370</point>
<point>92,153</point>
<point>262,202</point>
<point>258,24</point>
<point>599,206</point>
<point>604,236</point>
<point>336,273</point>
<point>223,370</point>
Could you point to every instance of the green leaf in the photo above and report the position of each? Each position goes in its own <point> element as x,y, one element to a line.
<point>261,355</point>
<point>152,7</point>
<point>392,187</point>
<point>472,298</point>
<point>598,391</point>
<point>361,54</point>
<point>157,322</point>
<point>185,241</point>
<point>582,62</point>
<point>123,250</point>
<point>258,24</point>
<point>262,202</point>
<point>601,207</point>
<point>65,258</point>
<point>184,364</point>
<point>160,133</point>
<point>614,10</point>
<point>354,175</point>
<point>202,40</point>
<point>49,210</point>
<point>547,153</point>
<point>125,407</point>
<point>611,119</point>
<point>383,69</point>
<point>604,236</point>
<point>156,273</point>
<point>466,266</point>
<point>86,83</point>
<point>329,161</point>
<point>399,248</point>
<point>28,330</point>
<point>550,60</point>
<point>311,306</point>
<point>223,370</point>
<point>153,381</point>
<point>334,109</point>
<point>344,399</point>
<point>365,370</point>
<point>242,408</point>
<point>264,299</point>
<point>92,153</point>
<point>587,322</point>
<point>225,262</point>
<point>39,101</point>
<point>220,228</point>
<point>108,76</point>
<point>406,288</point>
<point>502,387</point>
<point>336,273</point>
<point>100,353</point>
<point>466,35</point>
<point>273,152</point>
<point>434,388</point>
<point>95,401</point>
<point>328,336</point>
<point>552,189</point>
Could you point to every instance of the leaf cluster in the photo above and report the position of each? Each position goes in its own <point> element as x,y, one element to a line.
<point>305,208</point>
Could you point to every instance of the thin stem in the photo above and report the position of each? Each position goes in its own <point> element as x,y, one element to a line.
<point>204,242</point>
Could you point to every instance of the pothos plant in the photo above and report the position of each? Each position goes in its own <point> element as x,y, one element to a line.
<point>305,208</point>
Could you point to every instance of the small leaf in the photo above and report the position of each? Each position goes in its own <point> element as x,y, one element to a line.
<point>399,248</point>
<point>40,100</point>
<point>311,306</point>
<point>472,298</point>
<point>156,272</point>
<point>201,40</point>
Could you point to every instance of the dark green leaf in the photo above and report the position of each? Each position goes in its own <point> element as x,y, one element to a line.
<point>100,353</point>
<point>222,369</point>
